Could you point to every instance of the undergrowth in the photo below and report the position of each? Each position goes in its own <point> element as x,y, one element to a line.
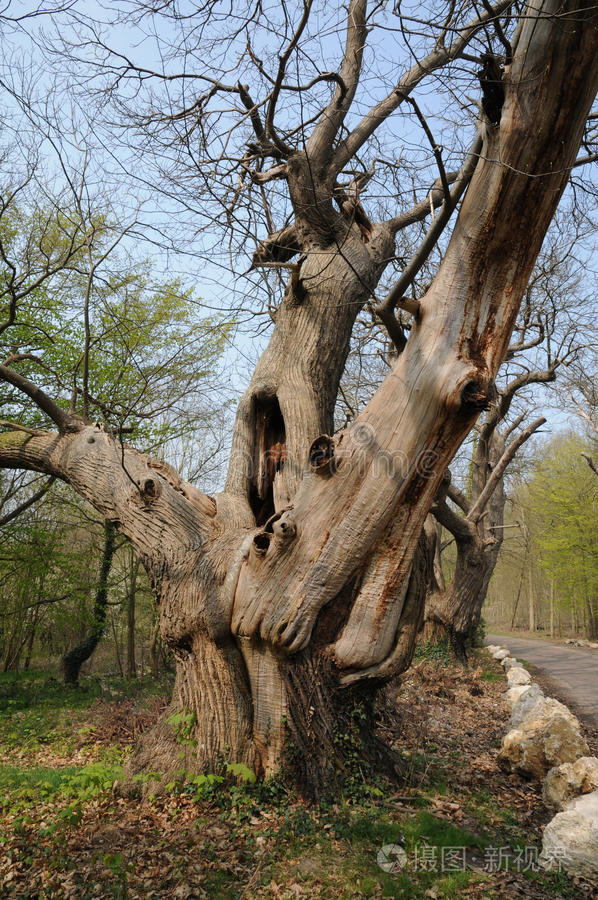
<point>68,829</point>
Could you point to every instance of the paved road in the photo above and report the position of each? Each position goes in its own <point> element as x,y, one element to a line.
<point>573,670</point>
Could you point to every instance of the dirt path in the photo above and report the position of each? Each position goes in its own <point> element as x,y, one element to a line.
<point>573,671</point>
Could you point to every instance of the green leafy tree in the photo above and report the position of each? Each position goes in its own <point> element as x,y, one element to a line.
<point>564,525</point>
<point>111,343</point>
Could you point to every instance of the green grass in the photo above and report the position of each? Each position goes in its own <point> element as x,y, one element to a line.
<point>13,778</point>
<point>35,688</point>
<point>488,675</point>
<point>331,850</point>
<point>37,711</point>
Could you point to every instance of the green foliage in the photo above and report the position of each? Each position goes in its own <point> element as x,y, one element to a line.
<point>241,771</point>
<point>149,350</point>
<point>184,725</point>
<point>478,639</point>
<point>107,337</point>
<point>437,651</point>
<point>37,711</point>
<point>23,789</point>
<point>562,498</point>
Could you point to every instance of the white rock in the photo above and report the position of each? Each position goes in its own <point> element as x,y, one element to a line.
<point>542,707</point>
<point>501,654</point>
<point>570,780</point>
<point>548,739</point>
<point>492,648</point>
<point>571,838</point>
<point>518,675</point>
<point>515,693</point>
<point>593,645</point>
<point>510,663</point>
<point>530,702</point>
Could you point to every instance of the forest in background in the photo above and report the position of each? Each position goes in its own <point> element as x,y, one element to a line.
<point>546,579</point>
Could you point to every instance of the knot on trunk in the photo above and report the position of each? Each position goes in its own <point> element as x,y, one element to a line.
<point>472,392</point>
<point>493,92</point>
<point>150,489</point>
<point>280,529</point>
<point>260,544</point>
<point>475,396</point>
<point>321,455</point>
<point>285,529</point>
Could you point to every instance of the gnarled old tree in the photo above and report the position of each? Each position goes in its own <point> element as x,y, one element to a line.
<point>299,589</point>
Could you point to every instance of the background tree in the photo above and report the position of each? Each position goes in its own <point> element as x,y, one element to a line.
<point>128,349</point>
<point>556,509</point>
<point>290,596</point>
<point>551,337</point>
<point>563,503</point>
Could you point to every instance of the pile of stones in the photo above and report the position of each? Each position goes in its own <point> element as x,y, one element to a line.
<point>545,742</point>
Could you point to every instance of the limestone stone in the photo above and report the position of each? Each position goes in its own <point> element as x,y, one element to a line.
<point>548,739</point>
<point>518,675</point>
<point>515,693</point>
<point>571,838</point>
<point>501,654</point>
<point>509,662</point>
<point>569,780</point>
<point>543,707</point>
<point>530,703</point>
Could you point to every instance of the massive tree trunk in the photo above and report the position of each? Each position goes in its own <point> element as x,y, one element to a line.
<point>291,596</point>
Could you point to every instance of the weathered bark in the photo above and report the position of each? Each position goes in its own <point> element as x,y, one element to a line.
<point>73,659</point>
<point>291,596</point>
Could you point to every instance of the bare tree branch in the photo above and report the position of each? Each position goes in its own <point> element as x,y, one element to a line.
<point>270,130</point>
<point>395,296</point>
<point>439,57</point>
<point>63,420</point>
<point>319,145</point>
<point>477,509</point>
<point>590,462</point>
<point>15,513</point>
